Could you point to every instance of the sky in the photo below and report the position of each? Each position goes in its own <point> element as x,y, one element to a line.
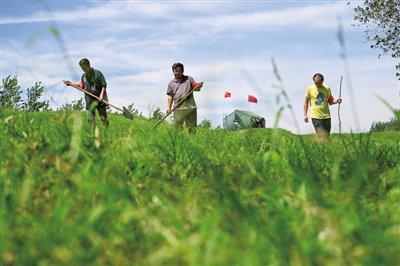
<point>229,45</point>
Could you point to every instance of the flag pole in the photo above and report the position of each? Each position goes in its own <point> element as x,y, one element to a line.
<point>223,106</point>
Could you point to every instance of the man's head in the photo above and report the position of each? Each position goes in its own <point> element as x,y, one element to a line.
<point>318,79</point>
<point>177,69</point>
<point>85,65</point>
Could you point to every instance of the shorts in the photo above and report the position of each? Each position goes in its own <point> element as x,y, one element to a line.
<point>322,124</point>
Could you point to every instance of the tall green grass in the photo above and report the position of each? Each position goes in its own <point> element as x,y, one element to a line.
<point>73,195</point>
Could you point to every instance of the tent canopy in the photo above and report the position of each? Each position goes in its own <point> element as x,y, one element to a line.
<point>240,119</point>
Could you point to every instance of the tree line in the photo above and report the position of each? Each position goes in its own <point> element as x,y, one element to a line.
<point>11,97</point>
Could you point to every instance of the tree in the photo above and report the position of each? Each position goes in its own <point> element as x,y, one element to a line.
<point>10,93</point>
<point>76,105</point>
<point>393,124</point>
<point>32,102</point>
<point>133,110</point>
<point>157,114</point>
<point>382,21</point>
<point>206,123</point>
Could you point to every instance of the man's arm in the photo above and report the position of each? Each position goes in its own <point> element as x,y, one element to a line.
<point>103,91</point>
<point>305,108</point>
<point>197,86</point>
<point>169,103</point>
<point>103,85</point>
<point>170,98</point>
<point>331,100</point>
<point>69,83</point>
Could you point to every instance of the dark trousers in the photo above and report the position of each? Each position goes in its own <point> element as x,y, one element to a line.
<point>187,117</point>
<point>322,126</point>
<point>91,107</point>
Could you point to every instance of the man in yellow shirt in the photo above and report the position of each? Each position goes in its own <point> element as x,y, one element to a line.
<point>319,97</point>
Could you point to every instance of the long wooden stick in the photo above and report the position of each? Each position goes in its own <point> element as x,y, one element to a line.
<point>96,97</point>
<point>125,112</point>
<point>179,103</point>
<point>340,96</point>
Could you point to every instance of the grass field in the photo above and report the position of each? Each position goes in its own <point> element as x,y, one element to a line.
<point>130,195</point>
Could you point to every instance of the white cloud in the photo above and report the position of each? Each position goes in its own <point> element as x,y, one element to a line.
<point>315,16</point>
<point>114,10</point>
<point>211,16</point>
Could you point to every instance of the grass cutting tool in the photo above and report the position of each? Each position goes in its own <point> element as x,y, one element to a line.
<point>125,112</point>
<point>197,87</point>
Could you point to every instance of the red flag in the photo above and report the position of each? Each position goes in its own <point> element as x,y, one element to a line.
<point>227,94</point>
<point>252,99</point>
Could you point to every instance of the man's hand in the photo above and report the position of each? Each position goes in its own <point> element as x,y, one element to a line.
<point>198,86</point>
<point>306,119</point>
<point>67,82</point>
<point>339,101</point>
<point>168,111</point>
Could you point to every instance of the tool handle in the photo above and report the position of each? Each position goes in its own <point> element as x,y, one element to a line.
<point>92,95</point>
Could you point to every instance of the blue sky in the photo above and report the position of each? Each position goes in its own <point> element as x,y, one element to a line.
<point>226,44</point>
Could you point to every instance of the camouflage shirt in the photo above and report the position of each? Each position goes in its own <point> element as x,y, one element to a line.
<point>94,80</point>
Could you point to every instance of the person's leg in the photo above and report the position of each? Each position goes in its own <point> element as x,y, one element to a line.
<point>103,114</point>
<point>178,119</point>
<point>327,126</point>
<point>319,128</point>
<point>91,108</point>
<point>191,120</point>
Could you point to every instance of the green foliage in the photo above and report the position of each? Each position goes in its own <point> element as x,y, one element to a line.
<point>131,195</point>
<point>54,31</point>
<point>10,93</point>
<point>131,108</point>
<point>32,103</point>
<point>76,105</point>
<point>393,124</point>
<point>157,114</point>
<point>10,96</point>
<point>205,123</point>
<point>382,19</point>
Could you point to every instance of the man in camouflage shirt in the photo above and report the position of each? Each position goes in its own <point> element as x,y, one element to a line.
<point>94,82</point>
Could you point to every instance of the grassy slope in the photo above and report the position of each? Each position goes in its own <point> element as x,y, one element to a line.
<point>251,197</point>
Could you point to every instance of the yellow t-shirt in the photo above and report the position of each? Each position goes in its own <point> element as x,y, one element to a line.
<point>318,99</point>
